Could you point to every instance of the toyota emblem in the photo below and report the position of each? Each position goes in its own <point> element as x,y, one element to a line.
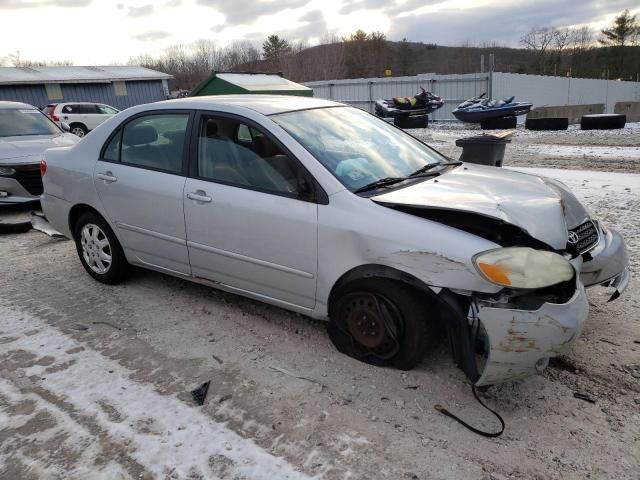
<point>573,238</point>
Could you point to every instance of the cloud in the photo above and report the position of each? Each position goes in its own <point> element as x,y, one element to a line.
<point>151,36</point>
<point>315,26</point>
<point>142,11</point>
<point>503,24</point>
<point>17,4</point>
<point>355,5</point>
<point>247,11</point>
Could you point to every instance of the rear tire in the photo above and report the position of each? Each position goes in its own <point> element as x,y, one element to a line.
<point>381,322</point>
<point>99,250</point>
<point>78,129</point>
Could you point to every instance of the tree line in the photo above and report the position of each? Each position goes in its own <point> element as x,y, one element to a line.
<point>614,52</point>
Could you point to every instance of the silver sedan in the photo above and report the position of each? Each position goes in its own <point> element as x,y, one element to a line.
<point>326,210</point>
<point>25,134</point>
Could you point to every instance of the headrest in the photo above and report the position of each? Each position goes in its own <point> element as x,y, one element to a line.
<point>211,129</point>
<point>139,135</point>
<point>265,147</point>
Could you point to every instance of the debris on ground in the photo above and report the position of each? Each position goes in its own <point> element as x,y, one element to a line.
<point>200,393</point>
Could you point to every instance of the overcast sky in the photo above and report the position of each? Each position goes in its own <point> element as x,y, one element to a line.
<point>99,32</point>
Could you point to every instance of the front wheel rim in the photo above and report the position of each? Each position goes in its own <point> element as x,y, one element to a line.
<point>96,249</point>
<point>373,322</point>
<point>79,132</point>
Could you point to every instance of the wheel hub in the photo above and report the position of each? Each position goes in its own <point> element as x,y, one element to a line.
<point>372,323</point>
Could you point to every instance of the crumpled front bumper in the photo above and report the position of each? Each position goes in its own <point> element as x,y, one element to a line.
<point>609,264</point>
<point>520,342</point>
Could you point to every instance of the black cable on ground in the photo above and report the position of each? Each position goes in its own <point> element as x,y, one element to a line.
<point>446,412</point>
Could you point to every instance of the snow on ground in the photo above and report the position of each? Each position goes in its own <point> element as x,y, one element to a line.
<point>164,434</point>
<point>587,151</point>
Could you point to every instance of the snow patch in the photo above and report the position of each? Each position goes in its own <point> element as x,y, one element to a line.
<point>164,434</point>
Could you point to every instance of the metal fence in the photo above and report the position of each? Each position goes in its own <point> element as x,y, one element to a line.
<point>454,89</point>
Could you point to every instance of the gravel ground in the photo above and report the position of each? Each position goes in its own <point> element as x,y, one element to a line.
<point>95,380</point>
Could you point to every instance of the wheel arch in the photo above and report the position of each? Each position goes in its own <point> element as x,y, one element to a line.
<point>76,212</point>
<point>372,270</point>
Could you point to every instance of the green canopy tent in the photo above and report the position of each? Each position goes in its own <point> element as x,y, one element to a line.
<point>226,83</point>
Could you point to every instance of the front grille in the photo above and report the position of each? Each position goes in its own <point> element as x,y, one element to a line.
<point>30,178</point>
<point>584,237</point>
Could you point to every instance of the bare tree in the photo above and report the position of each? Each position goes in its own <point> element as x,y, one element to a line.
<point>540,41</point>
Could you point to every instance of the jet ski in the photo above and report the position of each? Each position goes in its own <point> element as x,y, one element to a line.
<point>480,108</point>
<point>420,104</point>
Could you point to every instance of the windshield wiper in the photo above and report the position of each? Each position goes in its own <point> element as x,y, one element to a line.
<point>383,182</point>
<point>430,166</point>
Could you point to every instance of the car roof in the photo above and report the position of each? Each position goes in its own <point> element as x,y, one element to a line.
<point>264,104</point>
<point>14,105</point>
<point>77,103</point>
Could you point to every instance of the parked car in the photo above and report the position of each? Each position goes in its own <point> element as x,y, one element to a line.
<point>326,210</point>
<point>25,133</point>
<point>82,117</point>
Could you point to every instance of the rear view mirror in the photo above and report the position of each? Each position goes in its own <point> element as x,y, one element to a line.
<point>65,127</point>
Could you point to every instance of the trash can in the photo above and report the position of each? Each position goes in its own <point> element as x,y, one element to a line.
<point>483,149</point>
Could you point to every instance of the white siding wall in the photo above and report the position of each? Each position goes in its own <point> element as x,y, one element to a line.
<point>539,90</point>
<point>554,91</point>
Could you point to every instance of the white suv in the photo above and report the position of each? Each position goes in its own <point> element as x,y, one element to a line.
<point>81,117</point>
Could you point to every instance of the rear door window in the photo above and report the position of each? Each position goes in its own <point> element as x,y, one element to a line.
<point>151,141</point>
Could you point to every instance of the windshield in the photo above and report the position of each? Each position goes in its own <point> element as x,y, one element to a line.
<point>25,121</point>
<point>355,146</point>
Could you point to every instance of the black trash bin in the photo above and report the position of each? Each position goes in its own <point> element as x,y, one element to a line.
<point>483,149</point>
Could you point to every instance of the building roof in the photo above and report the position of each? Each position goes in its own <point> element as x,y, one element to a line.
<point>104,74</point>
<point>264,104</point>
<point>219,83</point>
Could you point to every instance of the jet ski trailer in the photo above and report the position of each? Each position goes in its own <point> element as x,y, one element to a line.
<point>479,109</point>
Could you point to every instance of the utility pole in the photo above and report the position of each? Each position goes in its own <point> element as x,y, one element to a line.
<point>492,64</point>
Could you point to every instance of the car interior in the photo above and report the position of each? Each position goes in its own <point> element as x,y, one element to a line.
<point>232,152</point>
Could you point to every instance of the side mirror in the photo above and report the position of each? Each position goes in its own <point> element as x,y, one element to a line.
<point>65,126</point>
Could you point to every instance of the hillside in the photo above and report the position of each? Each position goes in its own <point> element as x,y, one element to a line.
<point>371,59</point>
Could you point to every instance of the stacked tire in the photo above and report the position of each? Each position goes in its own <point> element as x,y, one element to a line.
<point>603,122</point>
<point>412,121</point>
<point>549,124</point>
<point>500,123</point>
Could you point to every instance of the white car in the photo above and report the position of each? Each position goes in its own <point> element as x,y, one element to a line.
<point>82,117</point>
<point>25,133</point>
<point>326,210</point>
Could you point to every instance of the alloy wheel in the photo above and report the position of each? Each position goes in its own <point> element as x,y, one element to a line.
<point>96,250</point>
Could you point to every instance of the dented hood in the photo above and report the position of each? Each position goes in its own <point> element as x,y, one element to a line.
<point>542,207</point>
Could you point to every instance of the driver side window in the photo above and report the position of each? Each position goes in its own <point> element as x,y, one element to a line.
<point>237,154</point>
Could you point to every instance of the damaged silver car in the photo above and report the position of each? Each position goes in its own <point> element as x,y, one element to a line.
<point>326,210</point>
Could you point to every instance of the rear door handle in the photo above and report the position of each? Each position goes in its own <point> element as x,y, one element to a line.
<point>107,177</point>
<point>199,196</point>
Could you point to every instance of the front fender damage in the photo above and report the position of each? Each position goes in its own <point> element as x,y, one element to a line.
<point>494,341</point>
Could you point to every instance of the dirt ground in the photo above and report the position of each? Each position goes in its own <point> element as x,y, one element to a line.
<point>95,380</point>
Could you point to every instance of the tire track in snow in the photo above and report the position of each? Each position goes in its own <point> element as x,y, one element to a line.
<point>164,434</point>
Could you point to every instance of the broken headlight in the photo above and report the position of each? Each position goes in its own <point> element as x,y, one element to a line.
<point>523,267</point>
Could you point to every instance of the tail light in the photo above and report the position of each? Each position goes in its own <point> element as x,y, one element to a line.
<point>43,167</point>
<point>53,115</point>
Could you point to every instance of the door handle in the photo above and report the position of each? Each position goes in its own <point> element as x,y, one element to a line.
<point>199,196</point>
<point>107,177</point>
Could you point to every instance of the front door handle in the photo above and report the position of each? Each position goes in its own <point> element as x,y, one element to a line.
<point>199,196</point>
<point>108,177</point>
